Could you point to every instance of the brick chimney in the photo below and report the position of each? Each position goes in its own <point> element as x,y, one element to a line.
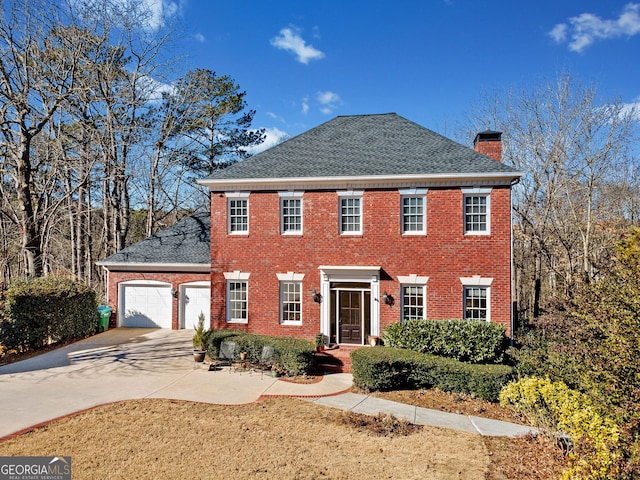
<point>489,143</point>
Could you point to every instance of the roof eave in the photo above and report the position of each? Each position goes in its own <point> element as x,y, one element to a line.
<point>155,267</point>
<point>368,181</point>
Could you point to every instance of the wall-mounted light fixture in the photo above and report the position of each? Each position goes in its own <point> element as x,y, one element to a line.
<point>174,293</point>
<point>316,296</point>
<point>388,299</point>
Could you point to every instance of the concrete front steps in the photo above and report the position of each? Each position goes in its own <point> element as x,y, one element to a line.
<point>335,359</point>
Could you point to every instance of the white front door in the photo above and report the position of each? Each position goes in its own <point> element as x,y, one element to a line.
<point>195,299</point>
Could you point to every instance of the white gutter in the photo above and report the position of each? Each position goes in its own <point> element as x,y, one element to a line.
<point>370,181</point>
<point>155,267</point>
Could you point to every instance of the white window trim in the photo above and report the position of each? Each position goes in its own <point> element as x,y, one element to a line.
<point>289,277</point>
<point>476,281</point>
<point>237,196</point>
<point>351,194</point>
<point>413,280</point>
<point>476,192</point>
<point>414,193</point>
<point>290,196</point>
<point>236,276</point>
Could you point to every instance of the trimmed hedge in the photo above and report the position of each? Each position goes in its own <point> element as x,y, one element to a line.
<point>471,341</point>
<point>386,368</point>
<point>45,310</point>
<point>293,355</point>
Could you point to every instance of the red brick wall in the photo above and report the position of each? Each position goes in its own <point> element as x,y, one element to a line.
<point>175,279</point>
<point>491,149</point>
<point>444,255</point>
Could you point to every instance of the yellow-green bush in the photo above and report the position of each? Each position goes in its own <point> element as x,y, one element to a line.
<point>554,407</point>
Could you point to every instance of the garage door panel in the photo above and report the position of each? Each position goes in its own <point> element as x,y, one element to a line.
<point>196,300</point>
<point>147,306</point>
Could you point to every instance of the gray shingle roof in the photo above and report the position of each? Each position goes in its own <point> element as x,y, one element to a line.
<point>186,242</point>
<point>364,145</point>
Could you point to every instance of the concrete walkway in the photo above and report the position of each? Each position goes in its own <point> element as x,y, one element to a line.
<point>123,364</point>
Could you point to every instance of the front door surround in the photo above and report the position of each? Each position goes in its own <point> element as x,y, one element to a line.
<point>350,308</point>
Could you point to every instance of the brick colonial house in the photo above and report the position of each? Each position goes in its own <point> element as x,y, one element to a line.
<point>356,224</point>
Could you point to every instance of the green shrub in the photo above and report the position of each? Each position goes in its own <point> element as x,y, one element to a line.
<point>294,356</point>
<point>385,368</point>
<point>382,368</point>
<point>46,310</point>
<point>465,340</point>
<point>554,407</point>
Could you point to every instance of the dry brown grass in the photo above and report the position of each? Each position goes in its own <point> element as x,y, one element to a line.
<point>286,439</point>
<point>278,438</point>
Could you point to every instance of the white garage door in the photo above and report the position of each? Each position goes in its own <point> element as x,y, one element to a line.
<point>146,306</point>
<point>196,300</point>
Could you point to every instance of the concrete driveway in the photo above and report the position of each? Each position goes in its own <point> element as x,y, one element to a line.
<point>129,363</point>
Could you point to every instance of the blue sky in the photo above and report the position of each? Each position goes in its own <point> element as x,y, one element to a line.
<point>303,63</point>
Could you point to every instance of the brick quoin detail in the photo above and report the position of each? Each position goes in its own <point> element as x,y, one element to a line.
<point>444,254</point>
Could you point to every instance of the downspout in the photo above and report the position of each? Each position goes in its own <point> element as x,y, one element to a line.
<point>107,286</point>
<point>512,279</point>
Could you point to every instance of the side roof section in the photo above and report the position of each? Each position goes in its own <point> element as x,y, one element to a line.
<point>183,246</point>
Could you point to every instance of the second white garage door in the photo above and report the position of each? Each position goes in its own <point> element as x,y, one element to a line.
<point>146,306</point>
<point>196,298</point>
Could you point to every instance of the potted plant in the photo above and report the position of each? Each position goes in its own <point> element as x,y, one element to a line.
<point>321,341</point>
<point>278,371</point>
<point>199,340</point>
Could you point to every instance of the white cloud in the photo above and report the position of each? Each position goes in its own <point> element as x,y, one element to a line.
<point>276,117</point>
<point>153,13</point>
<point>289,39</point>
<point>559,32</point>
<point>632,109</point>
<point>328,101</point>
<point>305,104</point>
<point>273,136</point>
<point>587,28</point>
<point>152,89</point>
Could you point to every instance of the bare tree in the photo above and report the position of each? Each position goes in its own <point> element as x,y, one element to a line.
<point>40,55</point>
<point>572,147</point>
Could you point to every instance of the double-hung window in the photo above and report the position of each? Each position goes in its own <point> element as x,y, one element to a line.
<point>414,297</point>
<point>477,298</point>
<point>237,297</point>
<point>477,211</point>
<point>350,212</point>
<point>238,212</point>
<point>290,298</point>
<point>414,211</point>
<point>291,213</point>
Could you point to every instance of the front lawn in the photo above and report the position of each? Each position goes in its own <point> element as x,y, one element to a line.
<point>277,438</point>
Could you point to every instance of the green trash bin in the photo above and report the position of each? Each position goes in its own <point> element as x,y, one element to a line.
<point>105,315</point>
